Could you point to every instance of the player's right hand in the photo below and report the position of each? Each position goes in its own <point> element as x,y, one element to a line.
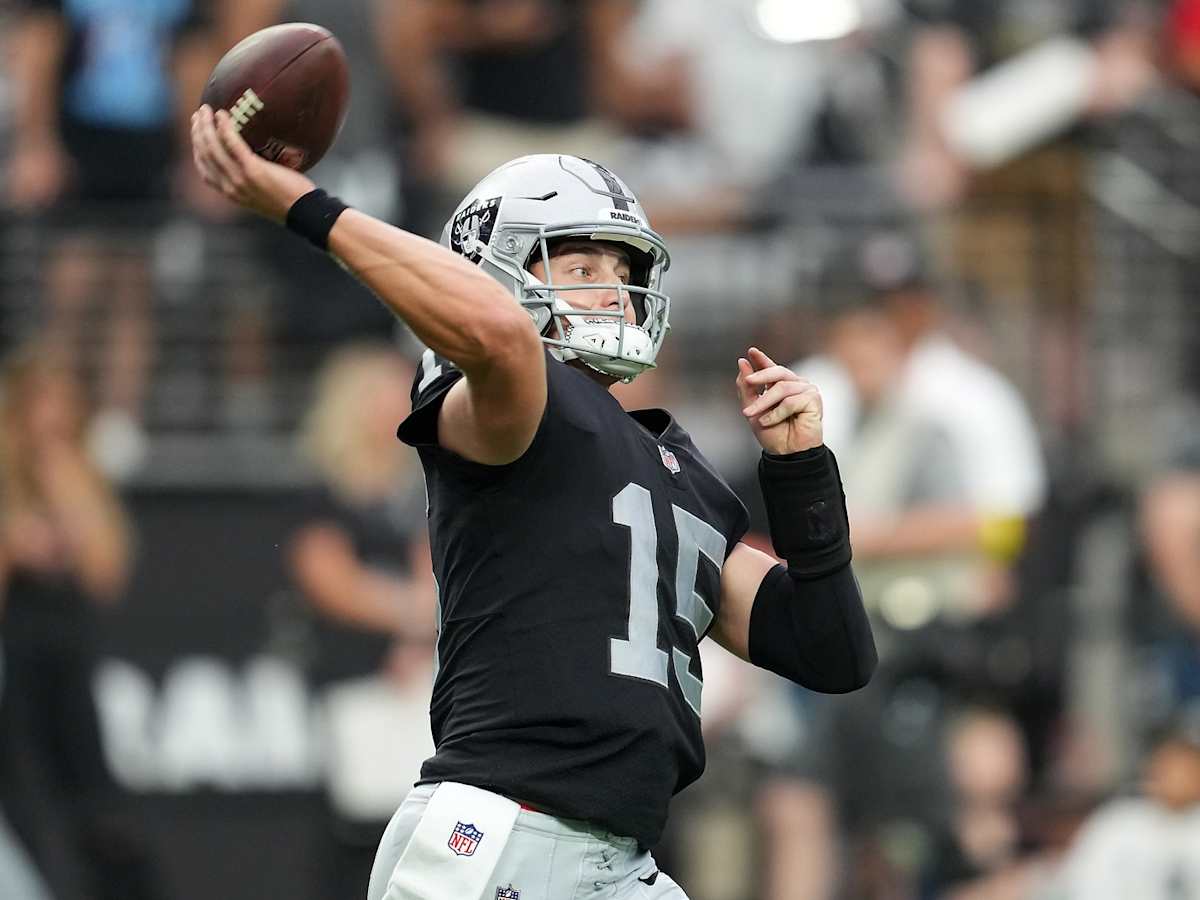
<point>784,410</point>
<point>227,164</point>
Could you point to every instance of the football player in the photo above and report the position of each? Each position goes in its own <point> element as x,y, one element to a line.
<point>581,552</point>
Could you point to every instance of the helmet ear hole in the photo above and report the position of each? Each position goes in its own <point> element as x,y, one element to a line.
<point>639,308</point>
<point>640,264</point>
<point>535,255</point>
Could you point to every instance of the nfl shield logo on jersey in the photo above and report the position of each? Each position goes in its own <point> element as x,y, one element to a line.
<point>465,839</point>
<point>669,459</point>
<point>507,893</point>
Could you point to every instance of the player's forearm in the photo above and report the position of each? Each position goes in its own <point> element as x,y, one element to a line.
<point>451,306</point>
<point>38,45</point>
<point>808,622</point>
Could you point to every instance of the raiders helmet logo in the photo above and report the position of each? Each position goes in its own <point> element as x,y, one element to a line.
<point>472,228</point>
<point>616,215</point>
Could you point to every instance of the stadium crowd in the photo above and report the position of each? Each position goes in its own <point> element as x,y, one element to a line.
<point>976,226</point>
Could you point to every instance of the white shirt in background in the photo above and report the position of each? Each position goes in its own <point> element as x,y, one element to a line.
<point>979,411</point>
<point>1134,850</point>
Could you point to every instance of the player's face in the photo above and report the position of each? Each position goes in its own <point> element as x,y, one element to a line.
<point>590,262</point>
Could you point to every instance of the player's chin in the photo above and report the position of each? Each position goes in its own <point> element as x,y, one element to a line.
<point>595,374</point>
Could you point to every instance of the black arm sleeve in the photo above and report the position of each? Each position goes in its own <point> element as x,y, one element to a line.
<point>813,631</point>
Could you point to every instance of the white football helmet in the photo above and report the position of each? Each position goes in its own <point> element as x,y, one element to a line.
<point>513,215</point>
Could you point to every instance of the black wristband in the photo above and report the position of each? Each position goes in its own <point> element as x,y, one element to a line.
<point>806,511</point>
<point>313,215</point>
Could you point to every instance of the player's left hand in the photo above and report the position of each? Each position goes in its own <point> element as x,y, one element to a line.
<point>783,409</point>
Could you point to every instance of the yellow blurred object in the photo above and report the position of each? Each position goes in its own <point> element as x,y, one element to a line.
<point>1002,537</point>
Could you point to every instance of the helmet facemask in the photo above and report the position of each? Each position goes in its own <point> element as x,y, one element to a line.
<point>602,339</point>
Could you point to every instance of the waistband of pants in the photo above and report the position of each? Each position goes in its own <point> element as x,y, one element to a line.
<point>530,819</point>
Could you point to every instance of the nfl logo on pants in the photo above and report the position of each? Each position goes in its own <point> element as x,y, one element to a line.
<point>465,839</point>
<point>507,893</point>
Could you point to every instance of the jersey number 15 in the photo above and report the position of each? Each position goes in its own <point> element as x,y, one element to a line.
<point>639,655</point>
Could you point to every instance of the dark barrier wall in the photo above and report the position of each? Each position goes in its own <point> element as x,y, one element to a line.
<point>206,714</point>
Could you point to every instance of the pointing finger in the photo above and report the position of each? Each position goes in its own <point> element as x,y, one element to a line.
<point>772,374</point>
<point>760,359</point>
<point>774,394</point>
<point>746,393</point>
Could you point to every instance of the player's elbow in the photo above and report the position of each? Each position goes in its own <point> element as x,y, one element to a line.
<point>506,336</point>
<point>869,667</point>
<point>853,674</point>
<point>814,632</point>
<point>832,665</point>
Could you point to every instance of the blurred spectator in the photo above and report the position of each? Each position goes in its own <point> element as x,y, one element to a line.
<point>364,167</point>
<point>1170,520</point>
<point>748,101</point>
<point>996,95</point>
<point>1144,331</point>
<point>990,432</point>
<point>966,543</point>
<point>19,880</point>
<point>485,81</point>
<point>1045,67</point>
<point>941,469</point>
<point>101,112</point>
<point>868,768</point>
<point>982,854</point>
<point>361,560</point>
<point>64,548</point>
<point>1147,846</point>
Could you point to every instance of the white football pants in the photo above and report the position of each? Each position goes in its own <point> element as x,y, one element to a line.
<point>544,858</point>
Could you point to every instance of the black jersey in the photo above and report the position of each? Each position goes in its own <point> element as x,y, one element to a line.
<point>575,585</point>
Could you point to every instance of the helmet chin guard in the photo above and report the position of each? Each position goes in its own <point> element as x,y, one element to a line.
<point>613,346</point>
<point>510,219</point>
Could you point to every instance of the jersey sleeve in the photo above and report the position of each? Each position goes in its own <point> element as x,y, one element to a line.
<point>435,376</point>
<point>566,404</point>
<point>739,522</point>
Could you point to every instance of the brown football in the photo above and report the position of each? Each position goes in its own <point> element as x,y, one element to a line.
<point>287,88</point>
